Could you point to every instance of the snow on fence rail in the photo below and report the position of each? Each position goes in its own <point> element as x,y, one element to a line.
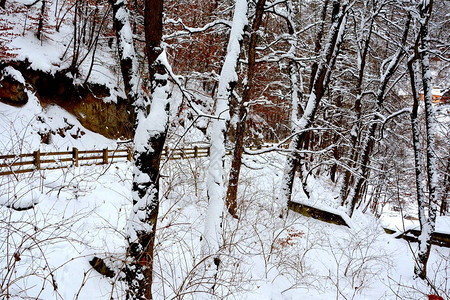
<point>30,162</point>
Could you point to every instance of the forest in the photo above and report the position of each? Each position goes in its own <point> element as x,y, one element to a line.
<point>325,129</point>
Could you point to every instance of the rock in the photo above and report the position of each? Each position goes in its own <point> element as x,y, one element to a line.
<point>317,213</point>
<point>12,91</point>
<point>84,101</point>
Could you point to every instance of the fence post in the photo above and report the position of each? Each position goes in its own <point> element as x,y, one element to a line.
<point>208,151</point>
<point>75,156</point>
<point>167,151</point>
<point>195,151</point>
<point>129,154</point>
<point>105,156</point>
<point>37,159</point>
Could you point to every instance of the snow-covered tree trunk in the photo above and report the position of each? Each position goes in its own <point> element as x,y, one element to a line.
<point>320,81</point>
<point>445,190</point>
<point>215,177</point>
<point>427,224</point>
<point>236,162</point>
<point>127,56</point>
<point>296,90</point>
<point>149,142</point>
<point>151,123</point>
<point>414,71</point>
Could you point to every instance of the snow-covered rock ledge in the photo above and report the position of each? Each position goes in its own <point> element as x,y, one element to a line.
<point>96,106</point>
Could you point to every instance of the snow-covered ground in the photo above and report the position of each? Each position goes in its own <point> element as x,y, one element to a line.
<point>81,212</point>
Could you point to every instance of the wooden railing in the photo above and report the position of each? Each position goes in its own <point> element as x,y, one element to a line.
<point>25,163</point>
<point>30,162</point>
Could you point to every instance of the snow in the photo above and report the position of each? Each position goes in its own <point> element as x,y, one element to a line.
<point>20,128</point>
<point>66,223</point>
<point>43,56</point>
<point>13,73</point>
<point>215,179</point>
<point>52,223</point>
<point>400,225</point>
<point>82,212</point>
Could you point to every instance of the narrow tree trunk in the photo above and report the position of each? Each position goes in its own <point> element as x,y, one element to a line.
<point>242,113</point>
<point>318,42</point>
<point>215,176</point>
<point>212,235</point>
<point>41,21</point>
<point>150,135</point>
<point>427,224</point>
<point>74,65</point>
<point>231,200</point>
<point>296,96</point>
<point>445,190</point>
<point>414,70</point>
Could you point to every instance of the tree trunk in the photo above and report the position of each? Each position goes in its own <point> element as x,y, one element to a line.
<point>76,49</point>
<point>414,70</point>
<point>427,225</point>
<point>212,235</point>
<point>150,135</point>
<point>41,21</point>
<point>153,27</point>
<point>236,163</point>
<point>215,177</point>
<point>445,190</point>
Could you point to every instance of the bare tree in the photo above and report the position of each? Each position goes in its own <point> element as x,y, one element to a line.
<point>320,79</point>
<point>227,81</point>
<point>419,66</point>
<point>242,111</point>
<point>151,123</point>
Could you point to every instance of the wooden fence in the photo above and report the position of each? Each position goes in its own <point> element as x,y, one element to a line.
<point>25,163</point>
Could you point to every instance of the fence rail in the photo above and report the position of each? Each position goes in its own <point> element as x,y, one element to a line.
<point>24,163</point>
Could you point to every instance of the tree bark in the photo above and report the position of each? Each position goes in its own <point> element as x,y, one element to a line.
<point>41,21</point>
<point>427,225</point>
<point>153,28</point>
<point>445,190</point>
<point>236,163</point>
<point>151,123</point>
<point>215,177</point>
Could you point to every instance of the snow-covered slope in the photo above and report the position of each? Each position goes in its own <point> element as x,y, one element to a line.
<point>22,129</point>
<point>82,212</point>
